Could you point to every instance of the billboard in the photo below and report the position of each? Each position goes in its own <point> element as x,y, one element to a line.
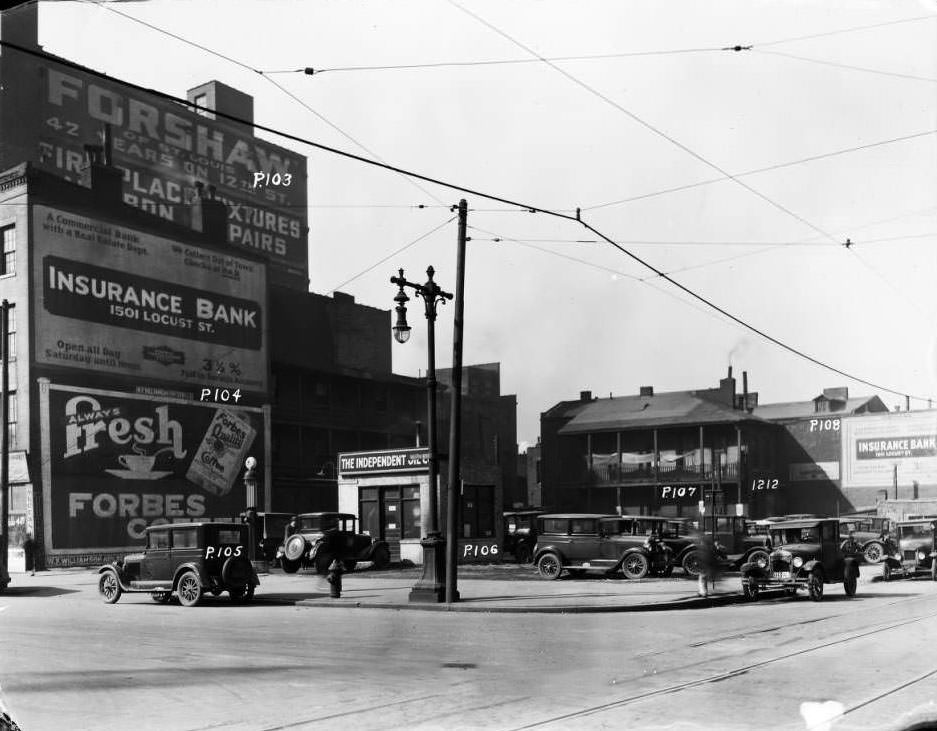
<point>875,445</point>
<point>164,148</point>
<point>195,317</point>
<point>114,463</point>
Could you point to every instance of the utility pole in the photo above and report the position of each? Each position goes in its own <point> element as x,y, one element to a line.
<point>5,451</point>
<point>454,495</point>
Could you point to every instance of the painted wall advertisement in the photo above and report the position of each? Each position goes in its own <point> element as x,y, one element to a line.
<point>874,446</point>
<point>164,148</point>
<point>196,316</point>
<point>117,463</point>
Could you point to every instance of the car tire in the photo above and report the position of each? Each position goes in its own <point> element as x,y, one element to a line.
<point>549,566</point>
<point>189,589</point>
<point>849,584</point>
<point>750,590</point>
<point>815,586</point>
<point>755,555</point>
<point>635,566</point>
<point>381,557</point>
<point>294,548</point>
<point>873,552</point>
<point>692,564</point>
<point>886,571</point>
<point>523,554</point>
<point>161,597</point>
<point>289,567</point>
<point>109,587</point>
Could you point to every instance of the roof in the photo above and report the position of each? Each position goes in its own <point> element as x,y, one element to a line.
<point>807,409</point>
<point>661,409</point>
<point>805,523</point>
<point>578,516</point>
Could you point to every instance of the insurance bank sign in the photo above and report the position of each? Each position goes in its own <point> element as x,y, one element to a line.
<point>352,464</point>
<point>114,300</point>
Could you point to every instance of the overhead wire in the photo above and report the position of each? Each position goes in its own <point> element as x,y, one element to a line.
<point>840,31</point>
<point>466,190</point>
<point>847,66</point>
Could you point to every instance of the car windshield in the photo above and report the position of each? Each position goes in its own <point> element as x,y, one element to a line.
<point>920,530</point>
<point>318,522</point>
<point>784,536</point>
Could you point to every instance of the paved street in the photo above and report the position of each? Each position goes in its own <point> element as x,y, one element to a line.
<point>69,661</point>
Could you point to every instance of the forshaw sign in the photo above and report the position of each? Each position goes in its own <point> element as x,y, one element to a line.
<point>116,463</point>
<point>195,317</point>
<point>164,148</point>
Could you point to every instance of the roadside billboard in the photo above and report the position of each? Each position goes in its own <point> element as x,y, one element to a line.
<point>163,148</point>
<point>114,463</point>
<point>195,317</point>
<point>875,445</point>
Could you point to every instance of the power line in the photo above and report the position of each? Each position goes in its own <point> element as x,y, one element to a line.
<point>847,66</point>
<point>647,125</point>
<point>853,29</point>
<point>778,166</point>
<point>393,254</point>
<point>279,86</point>
<point>453,186</point>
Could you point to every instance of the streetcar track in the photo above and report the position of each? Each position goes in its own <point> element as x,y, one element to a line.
<point>874,699</point>
<point>351,712</point>
<point>725,675</point>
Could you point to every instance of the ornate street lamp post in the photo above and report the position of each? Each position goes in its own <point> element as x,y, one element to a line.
<point>431,586</point>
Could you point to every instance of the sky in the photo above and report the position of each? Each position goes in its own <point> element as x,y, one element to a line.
<point>664,108</point>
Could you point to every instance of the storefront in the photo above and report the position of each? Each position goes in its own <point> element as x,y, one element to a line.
<point>388,491</point>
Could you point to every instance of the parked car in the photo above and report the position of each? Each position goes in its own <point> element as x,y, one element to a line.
<point>581,542</point>
<point>915,552</point>
<point>270,529</point>
<point>520,534</point>
<point>740,545</point>
<point>187,559</point>
<point>317,539</point>
<point>867,531</point>
<point>805,554</point>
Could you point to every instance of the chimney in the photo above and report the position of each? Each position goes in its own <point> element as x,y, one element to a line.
<point>105,180</point>
<point>585,396</point>
<point>727,390</point>
<point>646,391</point>
<point>745,392</point>
<point>210,215</point>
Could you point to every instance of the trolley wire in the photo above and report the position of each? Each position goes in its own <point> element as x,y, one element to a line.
<point>468,191</point>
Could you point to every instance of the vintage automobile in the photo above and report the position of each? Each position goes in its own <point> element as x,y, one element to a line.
<point>805,554</point>
<point>269,529</point>
<point>916,550</point>
<point>584,542</point>
<point>317,539</point>
<point>520,534</point>
<point>187,559</point>
<point>867,530</point>
<point>734,543</point>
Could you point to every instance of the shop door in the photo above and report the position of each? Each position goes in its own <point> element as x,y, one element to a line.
<point>392,522</point>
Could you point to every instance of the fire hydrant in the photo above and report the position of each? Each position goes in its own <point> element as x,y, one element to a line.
<point>334,578</point>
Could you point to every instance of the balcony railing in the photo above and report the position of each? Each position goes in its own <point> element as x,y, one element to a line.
<point>606,474</point>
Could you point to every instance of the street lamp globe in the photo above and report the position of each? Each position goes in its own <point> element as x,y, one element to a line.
<point>401,328</point>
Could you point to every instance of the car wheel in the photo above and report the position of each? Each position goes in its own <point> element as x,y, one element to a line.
<point>294,548</point>
<point>549,566</point>
<point>289,567</point>
<point>756,556</point>
<point>815,586</point>
<point>692,566</point>
<point>189,589</point>
<point>381,557</point>
<point>109,587</point>
<point>750,590</point>
<point>635,566</point>
<point>161,597</point>
<point>849,585</point>
<point>523,554</point>
<point>886,572</point>
<point>873,552</point>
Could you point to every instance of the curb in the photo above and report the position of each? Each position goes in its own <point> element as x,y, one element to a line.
<point>673,605</point>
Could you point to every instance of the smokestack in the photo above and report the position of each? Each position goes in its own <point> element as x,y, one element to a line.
<point>730,372</point>
<point>745,391</point>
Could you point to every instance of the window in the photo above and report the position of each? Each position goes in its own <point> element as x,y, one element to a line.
<point>201,105</point>
<point>11,333</point>
<point>478,511</point>
<point>410,512</point>
<point>11,417</point>
<point>9,250</point>
<point>158,539</point>
<point>185,538</point>
<point>582,526</point>
<point>369,510</point>
<point>555,525</point>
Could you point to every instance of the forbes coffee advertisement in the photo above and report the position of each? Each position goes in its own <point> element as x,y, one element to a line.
<point>118,463</point>
<point>196,316</point>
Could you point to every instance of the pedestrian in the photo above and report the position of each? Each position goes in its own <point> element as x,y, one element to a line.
<point>709,551</point>
<point>29,553</point>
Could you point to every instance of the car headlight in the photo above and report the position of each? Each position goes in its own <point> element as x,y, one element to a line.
<point>797,562</point>
<point>921,555</point>
<point>761,562</point>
